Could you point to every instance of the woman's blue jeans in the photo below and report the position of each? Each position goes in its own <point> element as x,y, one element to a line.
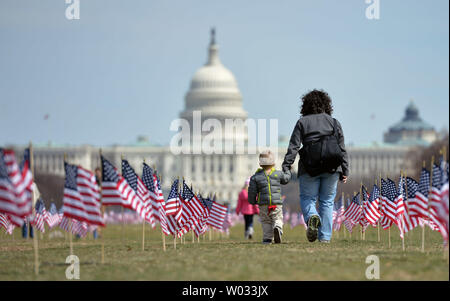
<point>320,188</point>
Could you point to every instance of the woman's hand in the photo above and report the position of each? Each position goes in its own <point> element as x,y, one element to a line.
<point>344,179</point>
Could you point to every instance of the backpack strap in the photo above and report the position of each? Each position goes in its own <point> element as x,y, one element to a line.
<point>335,132</point>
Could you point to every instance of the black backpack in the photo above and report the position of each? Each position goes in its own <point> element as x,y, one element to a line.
<point>323,155</point>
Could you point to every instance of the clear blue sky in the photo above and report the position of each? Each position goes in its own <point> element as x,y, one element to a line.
<point>123,69</point>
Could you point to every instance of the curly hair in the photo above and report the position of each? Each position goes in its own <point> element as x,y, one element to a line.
<point>316,102</point>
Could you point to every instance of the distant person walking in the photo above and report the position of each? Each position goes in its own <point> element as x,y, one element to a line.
<point>323,161</point>
<point>247,210</point>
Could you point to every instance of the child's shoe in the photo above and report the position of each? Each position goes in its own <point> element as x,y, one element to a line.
<point>277,235</point>
<point>250,233</point>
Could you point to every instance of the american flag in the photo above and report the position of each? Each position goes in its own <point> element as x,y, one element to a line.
<point>338,214</point>
<point>195,214</point>
<point>418,206</point>
<point>400,207</point>
<point>217,214</point>
<point>371,211</point>
<point>154,208</point>
<point>81,199</point>
<point>142,203</point>
<point>173,200</point>
<point>286,217</point>
<point>65,222</point>
<point>116,190</point>
<point>353,212</point>
<point>170,220</point>
<point>152,182</point>
<point>53,217</point>
<point>79,227</point>
<point>228,222</point>
<point>15,187</point>
<point>436,201</point>
<point>349,225</point>
<point>411,187</point>
<point>297,219</point>
<point>388,193</point>
<point>40,216</point>
<point>302,221</point>
<point>365,200</point>
<point>399,200</point>
<point>442,210</point>
<point>4,222</point>
<point>183,217</point>
<point>27,179</point>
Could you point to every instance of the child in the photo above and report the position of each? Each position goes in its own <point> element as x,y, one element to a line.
<point>247,210</point>
<point>265,190</point>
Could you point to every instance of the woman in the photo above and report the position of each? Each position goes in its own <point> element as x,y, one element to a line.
<point>248,210</point>
<point>314,124</point>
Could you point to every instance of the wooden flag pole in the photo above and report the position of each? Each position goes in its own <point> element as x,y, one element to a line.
<point>70,221</point>
<point>123,223</point>
<point>378,222</point>
<point>402,221</point>
<point>123,215</point>
<point>176,226</point>
<point>102,210</point>
<point>428,205</point>
<point>380,207</point>
<point>198,237</point>
<point>343,203</point>
<point>406,192</point>
<point>445,247</point>
<point>423,228</point>
<point>389,230</point>
<point>143,228</point>
<point>163,236</point>
<point>389,237</point>
<point>103,239</point>
<point>33,201</point>
<point>143,235</point>
<point>362,213</point>
<point>70,237</point>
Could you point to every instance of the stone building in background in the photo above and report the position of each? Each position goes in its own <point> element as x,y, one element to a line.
<point>411,130</point>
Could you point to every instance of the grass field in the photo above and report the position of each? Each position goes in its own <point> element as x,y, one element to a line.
<point>225,258</point>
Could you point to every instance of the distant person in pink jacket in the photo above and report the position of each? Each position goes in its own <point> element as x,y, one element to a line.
<point>248,210</point>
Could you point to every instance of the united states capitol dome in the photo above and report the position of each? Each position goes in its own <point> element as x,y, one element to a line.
<point>214,90</point>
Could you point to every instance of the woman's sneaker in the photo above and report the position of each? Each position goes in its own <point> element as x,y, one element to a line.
<point>277,235</point>
<point>313,228</point>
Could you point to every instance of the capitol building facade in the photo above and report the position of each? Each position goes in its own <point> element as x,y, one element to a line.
<point>215,93</point>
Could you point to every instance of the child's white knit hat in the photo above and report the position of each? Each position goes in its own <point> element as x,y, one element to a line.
<point>266,158</point>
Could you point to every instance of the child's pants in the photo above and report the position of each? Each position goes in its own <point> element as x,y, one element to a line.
<point>270,221</point>
<point>248,224</point>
